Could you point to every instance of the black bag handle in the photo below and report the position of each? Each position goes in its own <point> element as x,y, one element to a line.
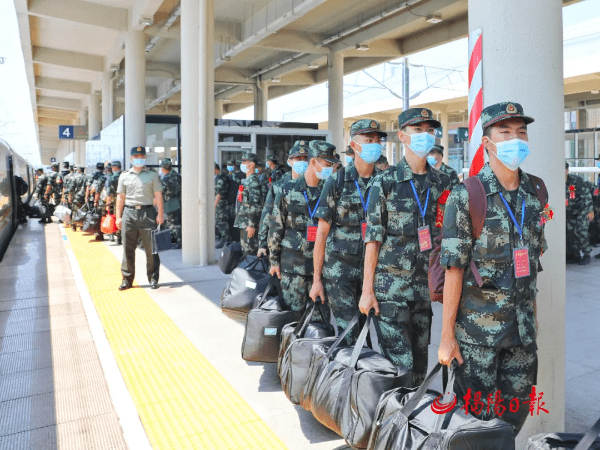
<point>589,437</point>
<point>412,403</point>
<point>337,342</point>
<point>273,282</point>
<point>371,325</point>
<point>254,263</point>
<point>305,319</point>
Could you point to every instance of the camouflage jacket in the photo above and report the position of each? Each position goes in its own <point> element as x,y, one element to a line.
<point>239,176</point>
<point>99,182</point>
<point>171,186</point>
<point>500,313</point>
<point>67,183</point>
<point>56,182</point>
<point>394,217</point>
<point>222,187</point>
<point>113,183</point>
<point>341,207</point>
<point>251,205</point>
<point>454,180</point>
<point>267,212</point>
<point>40,187</point>
<point>581,203</point>
<point>277,173</point>
<point>264,184</point>
<point>78,183</point>
<point>92,180</point>
<point>288,247</point>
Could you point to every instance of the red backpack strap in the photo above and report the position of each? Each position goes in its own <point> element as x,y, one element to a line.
<point>477,211</point>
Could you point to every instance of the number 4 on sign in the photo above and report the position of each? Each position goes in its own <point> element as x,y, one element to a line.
<point>66,133</point>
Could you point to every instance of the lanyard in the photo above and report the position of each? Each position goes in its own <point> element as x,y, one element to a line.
<point>512,216</point>
<point>364,205</point>
<point>422,210</point>
<point>311,213</point>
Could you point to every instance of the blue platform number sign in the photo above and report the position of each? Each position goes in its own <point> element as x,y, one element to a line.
<point>65,132</point>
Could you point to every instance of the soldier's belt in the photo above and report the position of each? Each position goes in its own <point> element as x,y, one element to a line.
<point>139,206</point>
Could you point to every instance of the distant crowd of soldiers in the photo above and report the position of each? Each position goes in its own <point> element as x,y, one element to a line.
<point>97,192</point>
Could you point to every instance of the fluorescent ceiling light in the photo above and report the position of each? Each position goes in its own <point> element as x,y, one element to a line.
<point>276,80</point>
<point>433,18</point>
<point>362,47</point>
<point>313,66</point>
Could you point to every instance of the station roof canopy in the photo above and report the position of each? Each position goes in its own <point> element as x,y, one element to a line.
<point>69,44</point>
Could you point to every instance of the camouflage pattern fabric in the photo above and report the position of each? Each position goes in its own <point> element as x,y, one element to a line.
<point>239,176</point>
<point>577,209</point>
<point>454,180</point>
<point>248,213</point>
<point>501,313</point>
<point>264,184</point>
<point>288,247</point>
<point>343,296</point>
<point>594,224</point>
<point>92,182</point>
<point>78,187</point>
<point>40,187</point>
<point>401,274</point>
<point>487,370</point>
<point>56,183</point>
<point>295,291</point>
<point>266,216</point>
<point>171,189</point>
<point>221,212</point>
<point>277,173</point>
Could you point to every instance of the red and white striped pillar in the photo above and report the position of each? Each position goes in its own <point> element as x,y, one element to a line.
<point>476,156</point>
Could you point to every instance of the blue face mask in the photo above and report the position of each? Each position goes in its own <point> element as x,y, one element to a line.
<point>324,173</point>
<point>349,159</point>
<point>300,167</point>
<point>512,153</point>
<point>431,160</point>
<point>370,152</point>
<point>244,168</point>
<point>255,170</point>
<point>230,168</point>
<point>421,143</point>
<point>138,162</point>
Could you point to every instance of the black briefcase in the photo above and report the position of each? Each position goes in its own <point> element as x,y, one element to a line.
<point>242,290</point>
<point>566,441</point>
<point>230,256</point>
<point>161,240</point>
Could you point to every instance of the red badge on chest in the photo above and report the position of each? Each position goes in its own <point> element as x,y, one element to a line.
<point>571,192</point>
<point>240,190</point>
<point>424,239</point>
<point>311,233</point>
<point>363,229</point>
<point>521,260</point>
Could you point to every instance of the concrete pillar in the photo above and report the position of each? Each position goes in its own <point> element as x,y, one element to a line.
<point>219,109</point>
<point>335,75</point>
<point>389,145</point>
<point>108,106</point>
<point>445,140</point>
<point>190,76</point>
<point>261,97</point>
<point>520,66</point>
<point>80,144</point>
<point>135,89</point>
<point>94,115</point>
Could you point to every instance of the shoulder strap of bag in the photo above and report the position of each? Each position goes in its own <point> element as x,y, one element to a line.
<point>588,438</point>
<point>477,211</point>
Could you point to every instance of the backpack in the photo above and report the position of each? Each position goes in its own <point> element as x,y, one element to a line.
<point>477,210</point>
<point>232,189</point>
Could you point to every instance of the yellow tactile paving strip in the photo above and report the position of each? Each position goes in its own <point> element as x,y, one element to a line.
<point>182,400</point>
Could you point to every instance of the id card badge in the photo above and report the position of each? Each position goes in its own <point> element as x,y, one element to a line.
<point>363,229</point>
<point>567,202</point>
<point>311,233</point>
<point>521,260</point>
<point>424,239</point>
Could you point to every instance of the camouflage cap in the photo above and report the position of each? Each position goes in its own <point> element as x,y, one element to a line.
<point>364,126</point>
<point>116,163</point>
<point>217,166</point>
<point>323,150</point>
<point>299,148</point>
<point>416,115</point>
<point>382,160</point>
<point>250,157</point>
<point>66,164</point>
<point>231,162</point>
<point>502,111</point>
<point>108,165</point>
<point>272,158</point>
<point>100,165</point>
<point>39,169</point>
<point>81,167</point>
<point>138,151</point>
<point>437,148</point>
<point>349,150</point>
<point>54,165</point>
<point>166,163</point>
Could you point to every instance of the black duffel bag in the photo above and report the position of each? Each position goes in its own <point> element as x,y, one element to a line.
<point>243,288</point>
<point>564,441</point>
<point>230,256</point>
<point>346,386</point>
<point>264,324</point>
<point>79,215</point>
<point>91,222</point>
<point>406,420</point>
<point>298,340</point>
<point>34,209</point>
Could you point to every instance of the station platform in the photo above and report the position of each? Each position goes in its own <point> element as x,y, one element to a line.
<point>84,366</point>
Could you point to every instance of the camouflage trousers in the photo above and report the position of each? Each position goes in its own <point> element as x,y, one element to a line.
<point>578,236</point>
<point>222,224</point>
<point>343,296</point>
<point>249,245</point>
<point>511,372</point>
<point>295,293</point>
<point>234,232</point>
<point>173,222</point>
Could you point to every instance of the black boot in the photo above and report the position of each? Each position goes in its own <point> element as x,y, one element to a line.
<point>585,260</point>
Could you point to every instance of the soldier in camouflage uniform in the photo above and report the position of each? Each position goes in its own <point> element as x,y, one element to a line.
<point>403,219</point>
<point>382,164</point>
<point>490,328</point>
<point>298,153</point>
<point>231,205</point>
<point>249,206</point>
<point>221,204</point>
<point>67,182</point>
<point>41,187</point>
<point>293,231</point>
<point>171,188</point>
<point>77,192</point>
<point>274,171</point>
<point>112,183</point>
<point>263,178</point>
<point>54,190</point>
<point>580,212</point>
<point>595,224</point>
<point>339,248</point>
<point>435,159</point>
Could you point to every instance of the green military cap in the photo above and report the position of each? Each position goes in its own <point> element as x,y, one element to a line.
<point>322,149</point>
<point>116,163</point>
<point>231,162</point>
<point>39,169</point>
<point>166,163</point>
<point>364,126</point>
<point>382,160</point>
<point>54,165</point>
<point>81,167</point>
<point>138,151</point>
<point>217,166</point>
<point>66,164</point>
<point>416,115</point>
<point>502,111</point>
<point>299,148</point>
<point>349,150</point>
<point>272,158</point>
<point>100,165</point>
<point>438,148</point>
<point>250,157</point>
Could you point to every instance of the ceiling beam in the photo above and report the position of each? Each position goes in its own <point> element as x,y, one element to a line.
<point>57,114</point>
<point>228,32</point>
<point>444,32</point>
<point>81,12</point>
<point>294,42</point>
<point>226,75</point>
<point>143,9</point>
<point>74,60</point>
<point>56,84</point>
<point>59,103</point>
<point>53,122</point>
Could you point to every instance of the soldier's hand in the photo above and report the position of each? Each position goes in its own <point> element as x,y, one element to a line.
<point>448,350</point>
<point>261,252</point>
<point>119,221</point>
<point>317,291</point>
<point>160,219</point>
<point>250,231</point>
<point>368,302</point>
<point>275,270</point>
<point>590,216</point>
